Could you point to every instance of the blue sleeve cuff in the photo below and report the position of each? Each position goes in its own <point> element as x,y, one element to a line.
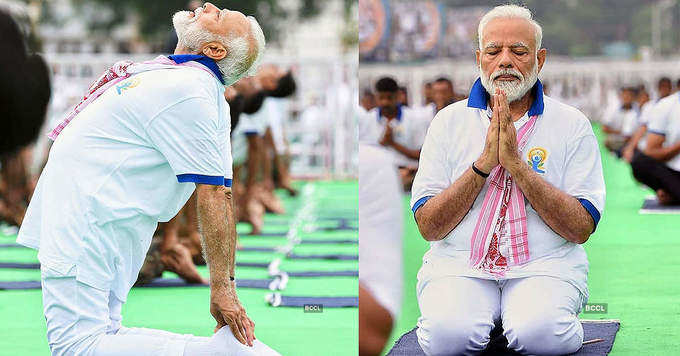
<point>592,211</point>
<point>250,133</point>
<point>656,132</point>
<point>227,182</point>
<point>201,179</point>
<point>420,203</point>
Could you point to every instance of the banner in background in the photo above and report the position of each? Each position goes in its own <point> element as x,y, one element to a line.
<point>408,30</point>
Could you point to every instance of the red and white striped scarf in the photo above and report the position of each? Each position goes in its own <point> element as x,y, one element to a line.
<point>116,73</point>
<point>515,213</point>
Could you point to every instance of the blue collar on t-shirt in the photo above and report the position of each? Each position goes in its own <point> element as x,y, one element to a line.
<point>398,113</point>
<point>205,60</point>
<point>479,97</point>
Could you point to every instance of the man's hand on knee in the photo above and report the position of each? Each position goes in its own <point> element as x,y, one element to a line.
<point>227,310</point>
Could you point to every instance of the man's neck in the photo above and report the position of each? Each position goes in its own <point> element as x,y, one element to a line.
<point>389,114</point>
<point>182,50</point>
<point>520,106</point>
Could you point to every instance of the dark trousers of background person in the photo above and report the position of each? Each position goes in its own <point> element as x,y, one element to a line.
<point>656,175</point>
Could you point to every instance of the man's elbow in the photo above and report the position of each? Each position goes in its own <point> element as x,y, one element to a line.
<point>428,232</point>
<point>581,235</point>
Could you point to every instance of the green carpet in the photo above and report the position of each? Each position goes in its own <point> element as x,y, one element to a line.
<point>634,268</point>
<point>186,310</point>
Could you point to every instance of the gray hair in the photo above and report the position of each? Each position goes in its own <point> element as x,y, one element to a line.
<point>510,11</point>
<point>242,59</point>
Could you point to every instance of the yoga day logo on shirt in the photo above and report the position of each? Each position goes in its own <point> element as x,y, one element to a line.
<point>127,85</point>
<point>537,156</point>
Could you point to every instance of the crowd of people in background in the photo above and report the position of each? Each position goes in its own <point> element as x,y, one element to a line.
<point>388,118</point>
<point>646,134</point>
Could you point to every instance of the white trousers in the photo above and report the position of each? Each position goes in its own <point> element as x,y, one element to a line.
<point>538,315</point>
<point>83,320</point>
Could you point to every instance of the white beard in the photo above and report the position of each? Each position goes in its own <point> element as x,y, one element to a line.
<point>189,32</point>
<point>513,89</point>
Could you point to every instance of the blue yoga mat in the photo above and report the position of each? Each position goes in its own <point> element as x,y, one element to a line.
<point>407,345</point>
<point>294,256</point>
<point>324,241</point>
<point>278,300</point>
<point>24,265</point>
<point>157,283</point>
<point>324,274</point>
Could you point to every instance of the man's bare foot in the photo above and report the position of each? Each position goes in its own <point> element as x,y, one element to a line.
<point>665,198</point>
<point>254,215</point>
<point>270,201</point>
<point>193,244</point>
<point>285,184</point>
<point>178,259</point>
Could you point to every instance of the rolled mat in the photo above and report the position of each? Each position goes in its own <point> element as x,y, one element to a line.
<point>342,225</point>
<point>323,241</point>
<point>407,345</point>
<point>324,274</point>
<point>20,265</point>
<point>652,206</point>
<point>294,256</point>
<point>256,249</point>
<point>23,265</point>
<point>268,234</point>
<point>278,300</point>
<point>271,284</point>
<point>12,246</point>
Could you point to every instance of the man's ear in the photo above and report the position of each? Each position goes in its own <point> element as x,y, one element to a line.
<point>214,50</point>
<point>540,56</point>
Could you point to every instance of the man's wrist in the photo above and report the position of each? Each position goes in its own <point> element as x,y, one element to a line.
<point>517,168</point>
<point>479,172</point>
<point>482,166</point>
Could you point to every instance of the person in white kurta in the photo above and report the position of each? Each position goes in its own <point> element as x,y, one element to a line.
<point>536,301</point>
<point>128,160</point>
<point>380,247</point>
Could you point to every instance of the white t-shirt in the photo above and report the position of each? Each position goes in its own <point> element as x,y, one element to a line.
<point>408,130</point>
<point>571,163</point>
<point>380,226</point>
<point>646,112</point>
<point>127,161</point>
<point>624,120</point>
<point>665,121</point>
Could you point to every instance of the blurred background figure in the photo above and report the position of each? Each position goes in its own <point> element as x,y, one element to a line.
<point>24,94</point>
<point>619,122</point>
<point>380,247</point>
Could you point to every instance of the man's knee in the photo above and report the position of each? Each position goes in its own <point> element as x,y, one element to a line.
<point>453,336</point>
<point>544,334</point>
<point>74,345</point>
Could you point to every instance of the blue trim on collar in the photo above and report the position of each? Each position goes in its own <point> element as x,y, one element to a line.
<point>205,60</point>
<point>479,98</point>
<point>398,113</point>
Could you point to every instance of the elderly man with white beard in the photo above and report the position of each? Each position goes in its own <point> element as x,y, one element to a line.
<point>130,154</point>
<point>508,188</point>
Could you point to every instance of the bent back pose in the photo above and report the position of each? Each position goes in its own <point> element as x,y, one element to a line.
<point>145,137</point>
